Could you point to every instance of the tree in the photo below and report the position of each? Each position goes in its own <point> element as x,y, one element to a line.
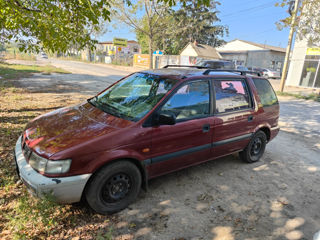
<point>147,24</point>
<point>51,24</point>
<point>195,22</point>
<point>307,24</point>
<point>55,25</point>
<point>191,22</point>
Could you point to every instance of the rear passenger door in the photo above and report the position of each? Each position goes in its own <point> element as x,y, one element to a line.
<point>234,116</point>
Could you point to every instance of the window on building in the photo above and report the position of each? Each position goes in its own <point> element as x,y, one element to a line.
<point>309,73</point>
<point>317,79</point>
<point>231,95</point>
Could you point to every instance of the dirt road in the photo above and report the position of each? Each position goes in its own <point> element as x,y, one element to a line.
<point>276,198</point>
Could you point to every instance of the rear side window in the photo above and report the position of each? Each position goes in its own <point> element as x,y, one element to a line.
<point>231,95</point>
<point>265,92</point>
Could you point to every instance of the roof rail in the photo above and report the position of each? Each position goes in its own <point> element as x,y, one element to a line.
<point>206,72</point>
<point>184,66</point>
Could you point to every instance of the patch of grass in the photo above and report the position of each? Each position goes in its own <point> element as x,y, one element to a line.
<point>28,212</point>
<point>22,216</point>
<point>16,71</point>
<point>105,236</point>
<point>312,96</point>
<point>19,56</point>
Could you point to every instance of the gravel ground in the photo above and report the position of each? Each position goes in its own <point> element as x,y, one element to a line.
<point>276,198</point>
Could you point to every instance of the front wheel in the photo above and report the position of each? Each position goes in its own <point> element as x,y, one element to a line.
<point>114,187</point>
<point>255,149</point>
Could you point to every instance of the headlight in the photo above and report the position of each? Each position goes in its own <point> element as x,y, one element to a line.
<point>48,166</point>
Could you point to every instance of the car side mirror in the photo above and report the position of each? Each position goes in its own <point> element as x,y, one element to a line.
<point>164,119</point>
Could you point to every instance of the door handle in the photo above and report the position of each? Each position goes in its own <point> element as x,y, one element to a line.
<point>206,128</point>
<point>250,118</point>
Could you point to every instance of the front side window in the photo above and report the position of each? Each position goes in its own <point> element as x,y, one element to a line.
<point>192,100</point>
<point>265,92</point>
<point>231,95</point>
<point>133,97</point>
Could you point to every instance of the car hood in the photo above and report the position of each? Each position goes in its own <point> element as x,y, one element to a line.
<point>67,127</point>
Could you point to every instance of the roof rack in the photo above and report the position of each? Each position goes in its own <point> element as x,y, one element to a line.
<point>206,72</point>
<point>184,66</point>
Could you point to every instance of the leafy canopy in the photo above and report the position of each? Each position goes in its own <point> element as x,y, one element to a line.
<point>56,25</point>
<point>307,24</point>
<point>191,22</point>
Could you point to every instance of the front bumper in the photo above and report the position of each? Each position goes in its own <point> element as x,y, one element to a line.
<point>64,189</point>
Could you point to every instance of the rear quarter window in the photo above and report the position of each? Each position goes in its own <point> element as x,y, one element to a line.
<point>265,92</point>
<point>231,95</point>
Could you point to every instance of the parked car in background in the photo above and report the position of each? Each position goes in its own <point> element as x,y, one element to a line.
<point>270,73</point>
<point>241,68</point>
<point>44,55</point>
<point>145,125</point>
<point>256,69</point>
<point>217,64</point>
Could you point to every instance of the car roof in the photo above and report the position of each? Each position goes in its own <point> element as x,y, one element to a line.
<point>188,72</point>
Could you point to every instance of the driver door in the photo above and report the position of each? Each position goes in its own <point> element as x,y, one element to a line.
<point>189,140</point>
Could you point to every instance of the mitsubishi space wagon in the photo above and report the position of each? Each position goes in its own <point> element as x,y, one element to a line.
<point>143,126</point>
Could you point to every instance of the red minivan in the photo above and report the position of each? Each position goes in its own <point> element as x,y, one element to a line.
<point>147,124</point>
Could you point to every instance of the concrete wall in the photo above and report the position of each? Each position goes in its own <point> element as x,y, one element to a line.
<point>237,45</point>
<point>265,58</point>
<point>297,62</point>
<point>260,58</point>
<point>239,57</point>
<point>189,51</point>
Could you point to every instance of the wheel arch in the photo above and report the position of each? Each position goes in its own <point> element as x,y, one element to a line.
<point>264,127</point>
<point>136,162</point>
<point>267,131</point>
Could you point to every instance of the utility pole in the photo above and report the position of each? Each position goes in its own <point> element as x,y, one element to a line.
<point>286,60</point>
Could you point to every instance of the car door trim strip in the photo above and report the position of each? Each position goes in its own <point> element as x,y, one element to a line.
<point>168,156</point>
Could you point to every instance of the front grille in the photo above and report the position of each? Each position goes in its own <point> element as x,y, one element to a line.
<point>26,151</point>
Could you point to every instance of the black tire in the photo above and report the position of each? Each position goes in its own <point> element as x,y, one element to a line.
<point>114,187</point>
<point>255,149</point>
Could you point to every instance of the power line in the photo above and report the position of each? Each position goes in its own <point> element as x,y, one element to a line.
<point>262,6</point>
<point>250,17</point>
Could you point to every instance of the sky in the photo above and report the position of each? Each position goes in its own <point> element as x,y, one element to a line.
<point>251,20</point>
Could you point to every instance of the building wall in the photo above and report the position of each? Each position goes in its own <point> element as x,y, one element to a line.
<point>237,45</point>
<point>266,59</point>
<point>296,63</point>
<point>238,58</point>
<point>110,49</point>
<point>189,51</point>
<point>261,58</point>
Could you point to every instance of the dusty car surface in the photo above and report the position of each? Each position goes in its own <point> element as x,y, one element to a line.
<point>145,125</point>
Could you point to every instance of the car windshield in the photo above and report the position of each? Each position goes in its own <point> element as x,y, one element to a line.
<point>134,96</point>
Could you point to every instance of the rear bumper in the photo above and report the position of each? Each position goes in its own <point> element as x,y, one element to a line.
<point>274,132</point>
<point>64,189</point>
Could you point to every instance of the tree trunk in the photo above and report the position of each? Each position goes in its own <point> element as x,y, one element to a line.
<point>150,52</point>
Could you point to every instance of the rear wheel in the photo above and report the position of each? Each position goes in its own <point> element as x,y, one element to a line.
<point>114,187</point>
<point>255,149</point>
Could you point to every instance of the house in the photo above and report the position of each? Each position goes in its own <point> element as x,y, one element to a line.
<point>200,50</point>
<point>252,54</point>
<point>109,49</point>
